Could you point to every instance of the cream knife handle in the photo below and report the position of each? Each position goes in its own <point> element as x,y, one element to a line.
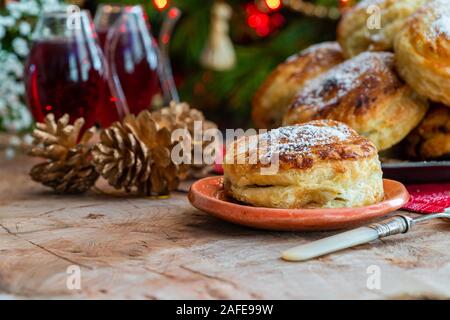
<point>399,224</point>
<point>331,244</point>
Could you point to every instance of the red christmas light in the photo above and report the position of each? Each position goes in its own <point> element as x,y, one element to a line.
<point>277,20</point>
<point>258,20</point>
<point>174,13</point>
<point>264,23</point>
<point>165,39</point>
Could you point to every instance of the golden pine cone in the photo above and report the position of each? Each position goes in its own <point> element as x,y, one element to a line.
<point>68,168</point>
<point>182,116</point>
<point>135,155</point>
<point>178,115</point>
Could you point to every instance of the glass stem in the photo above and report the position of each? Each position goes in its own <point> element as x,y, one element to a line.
<point>167,82</point>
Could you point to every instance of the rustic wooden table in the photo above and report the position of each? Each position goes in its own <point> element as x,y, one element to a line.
<point>165,249</point>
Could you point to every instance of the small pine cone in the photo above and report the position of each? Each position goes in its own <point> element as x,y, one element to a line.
<point>72,175</point>
<point>182,116</point>
<point>68,167</point>
<point>135,155</point>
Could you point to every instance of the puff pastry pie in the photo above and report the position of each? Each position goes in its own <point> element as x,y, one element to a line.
<point>277,91</point>
<point>431,139</point>
<point>321,164</point>
<point>366,94</point>
<point>422,51</point>
<point>373,24</point>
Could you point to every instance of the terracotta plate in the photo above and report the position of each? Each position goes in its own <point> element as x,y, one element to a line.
<point>208,195</point>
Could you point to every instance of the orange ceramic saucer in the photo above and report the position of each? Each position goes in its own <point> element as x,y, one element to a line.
<point>208,195</point>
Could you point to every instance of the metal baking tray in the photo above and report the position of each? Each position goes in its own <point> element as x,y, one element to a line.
<point>417,172</point>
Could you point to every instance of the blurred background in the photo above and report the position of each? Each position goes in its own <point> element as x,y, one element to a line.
<point>219,58</point>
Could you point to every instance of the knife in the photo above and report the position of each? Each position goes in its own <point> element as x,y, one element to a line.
<point>396,225</point>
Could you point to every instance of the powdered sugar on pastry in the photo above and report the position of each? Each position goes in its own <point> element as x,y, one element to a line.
<point>330,87</point>
<point>317,49</point>
<point>300,139</point>
<point>441,26</point>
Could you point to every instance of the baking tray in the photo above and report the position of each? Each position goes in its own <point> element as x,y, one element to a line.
<point>417,172</point>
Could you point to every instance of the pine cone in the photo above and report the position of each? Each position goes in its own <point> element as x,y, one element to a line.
<point>68,168</point>
<point>182,116</point>
<point>135,155</point>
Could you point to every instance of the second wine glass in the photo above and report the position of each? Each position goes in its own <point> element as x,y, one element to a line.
<point>134,61</point>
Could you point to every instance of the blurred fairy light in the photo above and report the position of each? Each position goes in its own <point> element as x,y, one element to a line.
<point>318,11</point>
<point>264,18</point>
<point>264,22</point>
<point>273,4</point>
<point>161,4</point>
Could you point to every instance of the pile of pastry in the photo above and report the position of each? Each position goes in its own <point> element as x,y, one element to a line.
<point>388,79</point>
<point>334,106</point>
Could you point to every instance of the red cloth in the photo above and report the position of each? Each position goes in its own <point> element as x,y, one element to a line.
<point>218,168</point>
<point>428,198</point>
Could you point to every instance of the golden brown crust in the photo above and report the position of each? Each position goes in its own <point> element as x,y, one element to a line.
<point>422,51</point>
<point>366,94</point>
<point>280,87</point>
<point>321,164</point>
<point>301,146</point>
<point>431,139</point>
<point>358,30</point>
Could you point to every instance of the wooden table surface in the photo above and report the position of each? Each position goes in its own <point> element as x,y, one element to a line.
<point>128,247</point>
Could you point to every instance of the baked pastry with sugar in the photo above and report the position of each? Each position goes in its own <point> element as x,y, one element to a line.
<point>431,139</point>
<point>277,91</point>
<point>373,24</point>
<point>422,51</point>
<point>366,94</point>
<point>320,164</point>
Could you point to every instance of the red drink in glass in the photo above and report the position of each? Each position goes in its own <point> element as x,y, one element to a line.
<point>136,71</point>
<point>58,80</point>
<point>66,72</point>
<point>132,55</point>
<point>102,33</point>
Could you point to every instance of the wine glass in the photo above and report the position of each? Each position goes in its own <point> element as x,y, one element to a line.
<point>105,17</point>
<point>66,71</point>
<point>133,57</point>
